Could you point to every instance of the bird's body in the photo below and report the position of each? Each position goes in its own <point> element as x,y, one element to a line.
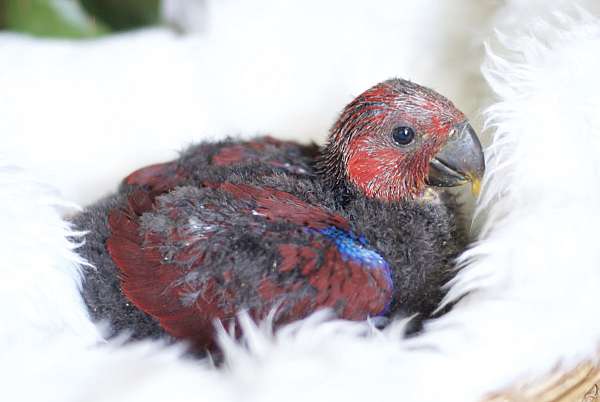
<point>260,226</point>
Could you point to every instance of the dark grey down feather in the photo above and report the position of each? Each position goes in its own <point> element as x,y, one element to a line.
<point>418,238</point>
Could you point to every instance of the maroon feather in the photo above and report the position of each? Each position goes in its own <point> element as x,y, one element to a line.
<point>162,286</point>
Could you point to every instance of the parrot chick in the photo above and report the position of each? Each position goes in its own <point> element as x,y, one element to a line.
<point>359,226</point>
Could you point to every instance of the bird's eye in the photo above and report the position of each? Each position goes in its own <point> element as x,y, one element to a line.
<point>403,135</point>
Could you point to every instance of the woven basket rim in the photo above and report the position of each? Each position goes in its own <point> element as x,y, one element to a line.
<point>581,384</point>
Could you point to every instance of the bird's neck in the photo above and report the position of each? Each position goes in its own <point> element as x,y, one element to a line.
<point>330,163</point>
<point>331,171</point>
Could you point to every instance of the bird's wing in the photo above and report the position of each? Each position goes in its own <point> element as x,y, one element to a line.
<point>197,254</point>
<point>288,156</point>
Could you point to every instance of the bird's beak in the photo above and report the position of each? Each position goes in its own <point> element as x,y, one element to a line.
<point>459,161</point>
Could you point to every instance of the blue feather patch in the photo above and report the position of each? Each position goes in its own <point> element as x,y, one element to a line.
<point>354,248</point>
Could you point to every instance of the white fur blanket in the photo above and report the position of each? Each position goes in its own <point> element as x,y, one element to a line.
<point>80,115</point>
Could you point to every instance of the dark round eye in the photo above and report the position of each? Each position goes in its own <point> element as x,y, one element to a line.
<point>403,135</point>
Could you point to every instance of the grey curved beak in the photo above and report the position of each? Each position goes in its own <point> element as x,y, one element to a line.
<point>459,161</point>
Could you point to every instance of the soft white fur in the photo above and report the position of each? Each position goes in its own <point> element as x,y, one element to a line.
<point>81,115</point>
<point>40,271</point>
<point>530,283</point>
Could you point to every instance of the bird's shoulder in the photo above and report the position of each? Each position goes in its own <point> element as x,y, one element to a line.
<point>198,161</point>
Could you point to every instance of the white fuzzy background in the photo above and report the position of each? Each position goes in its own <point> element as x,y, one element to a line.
<point>78,116</point>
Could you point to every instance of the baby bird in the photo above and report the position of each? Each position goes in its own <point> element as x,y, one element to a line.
<point>360,226</point>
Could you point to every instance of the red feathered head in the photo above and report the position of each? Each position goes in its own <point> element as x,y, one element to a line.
<point>398,137</point>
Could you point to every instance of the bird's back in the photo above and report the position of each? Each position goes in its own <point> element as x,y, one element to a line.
<point>101,288</point>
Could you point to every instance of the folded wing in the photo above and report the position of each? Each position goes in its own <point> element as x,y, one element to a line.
<point>201,253</point>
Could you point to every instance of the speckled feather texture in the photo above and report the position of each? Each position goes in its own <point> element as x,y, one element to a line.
<point>228,255</point>
<point>528,288</point>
